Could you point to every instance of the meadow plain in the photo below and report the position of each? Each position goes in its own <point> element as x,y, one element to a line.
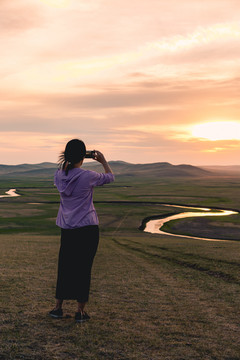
<point>152,296</point>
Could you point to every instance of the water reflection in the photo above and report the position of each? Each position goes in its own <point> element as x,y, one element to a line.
<point>10,193</point>
<point>154,226</point>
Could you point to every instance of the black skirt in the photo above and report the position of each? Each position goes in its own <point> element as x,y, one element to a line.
<point>77,251</point>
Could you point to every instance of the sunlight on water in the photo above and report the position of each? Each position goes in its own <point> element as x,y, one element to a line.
<point>10,193</point>
<point>154,226</point>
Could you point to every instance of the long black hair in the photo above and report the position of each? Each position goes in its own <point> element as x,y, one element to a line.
<point>75,151</point>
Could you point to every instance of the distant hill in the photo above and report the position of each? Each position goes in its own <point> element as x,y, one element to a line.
<point>227,169</point>
<point>7,169</point>
<point>120,168</point>
<point>160,169</point>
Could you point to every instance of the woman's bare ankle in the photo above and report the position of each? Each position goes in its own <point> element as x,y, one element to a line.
<point>59,304</point>
<point>81,307</point>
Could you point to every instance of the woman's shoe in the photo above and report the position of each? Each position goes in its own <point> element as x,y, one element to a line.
<point>81,317</point>
<point>57,314</point>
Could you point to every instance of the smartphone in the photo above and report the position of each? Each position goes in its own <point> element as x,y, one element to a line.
<point>90,154</point>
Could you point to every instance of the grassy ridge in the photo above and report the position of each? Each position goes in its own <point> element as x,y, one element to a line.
<point>152,296</point>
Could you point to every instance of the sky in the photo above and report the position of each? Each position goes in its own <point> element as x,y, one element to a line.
<point>142,81</point>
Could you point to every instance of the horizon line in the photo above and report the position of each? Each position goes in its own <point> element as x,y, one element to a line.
<point>123,161</point>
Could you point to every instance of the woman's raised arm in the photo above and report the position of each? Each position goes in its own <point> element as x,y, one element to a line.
<point>98,156</point>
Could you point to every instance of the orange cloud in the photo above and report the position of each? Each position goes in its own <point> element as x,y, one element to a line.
<point>100,69</point>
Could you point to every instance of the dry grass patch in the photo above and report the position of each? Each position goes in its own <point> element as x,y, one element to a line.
<point>16,212</point>
<point>144,304</point>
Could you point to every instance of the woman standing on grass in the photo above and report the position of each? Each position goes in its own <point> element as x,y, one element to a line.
<point>78,221</point>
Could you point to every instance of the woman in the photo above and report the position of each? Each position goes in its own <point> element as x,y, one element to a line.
<point>78,221</point>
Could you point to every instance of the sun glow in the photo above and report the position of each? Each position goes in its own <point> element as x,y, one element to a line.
<point>57,3</point>
<point>218,130</point>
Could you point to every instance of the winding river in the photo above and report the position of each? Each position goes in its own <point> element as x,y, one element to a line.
<point>10,193</point>
<point>154,226</point>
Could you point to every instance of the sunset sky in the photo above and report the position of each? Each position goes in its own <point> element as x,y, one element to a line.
<point>141,80</point>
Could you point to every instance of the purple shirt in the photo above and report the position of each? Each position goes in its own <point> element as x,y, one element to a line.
<point>76,197</point>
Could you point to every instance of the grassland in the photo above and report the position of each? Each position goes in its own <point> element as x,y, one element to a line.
<point>152,296</point>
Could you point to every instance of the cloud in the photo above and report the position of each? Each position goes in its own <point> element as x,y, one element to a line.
<point>165,103</point>
<point>124,75</point>
<point>18,16</point>
<point>171,95</point>
<point>201,36</point>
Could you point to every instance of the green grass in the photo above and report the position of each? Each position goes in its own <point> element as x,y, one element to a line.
<point>152,296</point>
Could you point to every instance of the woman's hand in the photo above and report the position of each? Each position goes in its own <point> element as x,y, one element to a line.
<point>98,156</point>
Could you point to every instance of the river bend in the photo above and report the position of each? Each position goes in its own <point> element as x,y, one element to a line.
<point>154,226</point>
<point>10,193</point>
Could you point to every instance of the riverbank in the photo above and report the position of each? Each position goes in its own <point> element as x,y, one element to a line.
<point>159,225</point>
<point>206,227</point>
<point>152,296</point>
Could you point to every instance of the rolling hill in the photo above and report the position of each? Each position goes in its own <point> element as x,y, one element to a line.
<point>227,169</point>
<point>120,168</point>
